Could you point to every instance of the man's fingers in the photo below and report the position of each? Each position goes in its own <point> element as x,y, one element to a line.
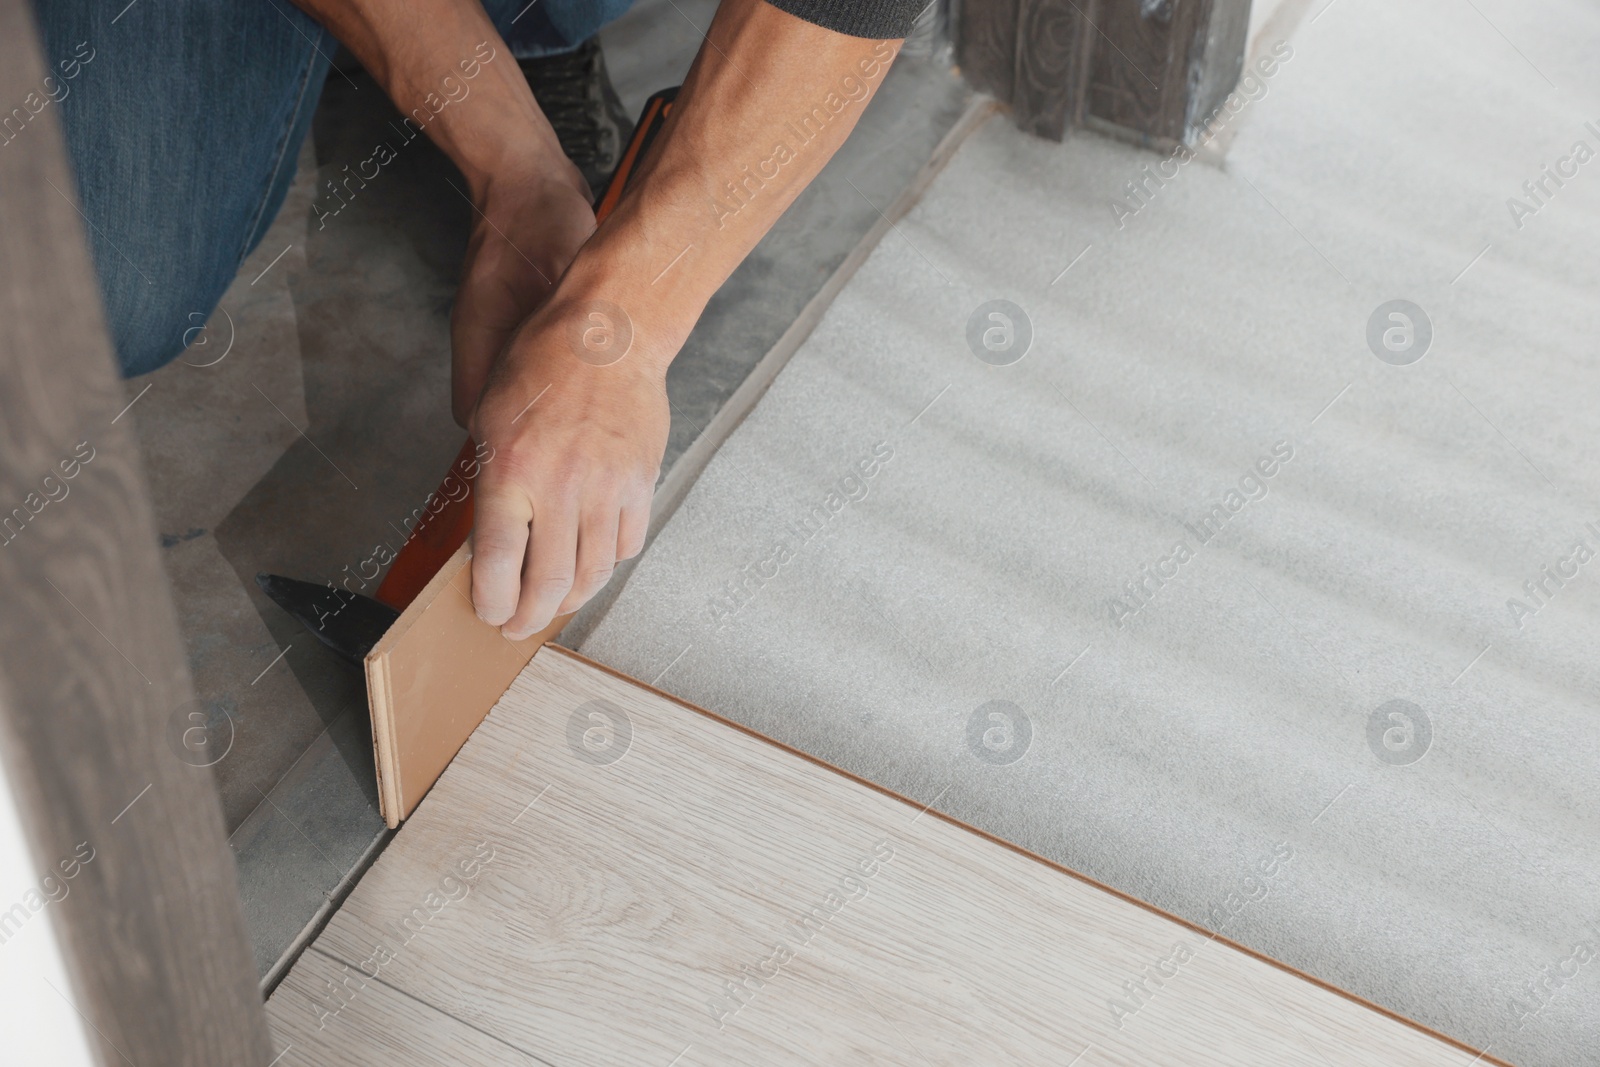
<point>499,542</point>
<point>597,555</point>
<point>547,574</point>
<point>632,526</point>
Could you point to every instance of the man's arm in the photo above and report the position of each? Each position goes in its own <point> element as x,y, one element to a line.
<point>450,74</point>
<point>576,408</point>
<point>574,344</point>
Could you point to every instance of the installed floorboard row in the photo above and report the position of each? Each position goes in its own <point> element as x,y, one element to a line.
<point>606,876</point>
<point>321,1014</point>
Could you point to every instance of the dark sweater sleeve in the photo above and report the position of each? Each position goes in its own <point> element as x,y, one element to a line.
<point>874,19</point>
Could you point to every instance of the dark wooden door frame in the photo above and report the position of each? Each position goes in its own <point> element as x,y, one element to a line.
<point>1146,70</point>
<point>93,679</point>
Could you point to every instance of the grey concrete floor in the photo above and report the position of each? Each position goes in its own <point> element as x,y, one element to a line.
<point>312,413</point>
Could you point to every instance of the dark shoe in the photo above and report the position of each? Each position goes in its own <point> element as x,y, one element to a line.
<point>575,94</point>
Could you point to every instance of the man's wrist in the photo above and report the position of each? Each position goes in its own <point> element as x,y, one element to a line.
<point>474,102</point>
<point>615,303</point>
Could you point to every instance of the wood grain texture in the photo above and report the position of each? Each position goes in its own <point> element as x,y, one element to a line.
<point>986,45</point>
<point>1151,70</point>
<point>1138,77</point>
<point>371,1025</point>
<point>92,671</point>
<point>1054,44</point>
<point>432,679</point>
<point>1216,59</point>
<point>605,875</point>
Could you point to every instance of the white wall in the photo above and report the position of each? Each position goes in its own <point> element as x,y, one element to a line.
<point>39,1024</point>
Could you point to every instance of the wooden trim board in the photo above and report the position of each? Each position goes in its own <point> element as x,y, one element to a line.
<point>608,875</point>
<point>107,754</point>
<point>430,681</point>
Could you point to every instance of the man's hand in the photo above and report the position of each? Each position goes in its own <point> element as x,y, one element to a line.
<point>576,412</point>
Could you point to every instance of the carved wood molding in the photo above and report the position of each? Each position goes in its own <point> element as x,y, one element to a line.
<point>1145,68</point>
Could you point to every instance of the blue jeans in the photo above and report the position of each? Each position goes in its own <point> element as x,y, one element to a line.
<point>183,121</point>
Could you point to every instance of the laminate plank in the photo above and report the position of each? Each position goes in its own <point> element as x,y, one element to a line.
<point>327,1013</point>
<point>430,681</point>
<point>605,875</point>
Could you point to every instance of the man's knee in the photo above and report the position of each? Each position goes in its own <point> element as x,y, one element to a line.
<point>182,146</point>
<point>149,328</point>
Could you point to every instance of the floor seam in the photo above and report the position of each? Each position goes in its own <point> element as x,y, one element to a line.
<point>377,980</point>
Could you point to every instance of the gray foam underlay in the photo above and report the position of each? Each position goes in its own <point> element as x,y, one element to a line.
<point>1231,712</point>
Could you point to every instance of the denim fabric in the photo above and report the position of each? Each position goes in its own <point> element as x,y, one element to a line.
<point>183,121</point>
<point>548,27</point>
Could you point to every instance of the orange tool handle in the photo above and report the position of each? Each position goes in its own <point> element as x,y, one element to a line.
<point>437,536</point>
